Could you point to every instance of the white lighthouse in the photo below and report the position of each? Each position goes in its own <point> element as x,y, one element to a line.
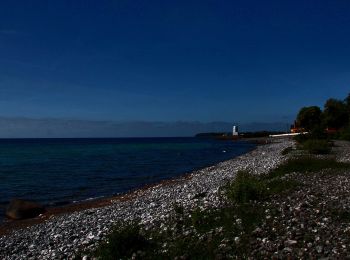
<point>235,130</point>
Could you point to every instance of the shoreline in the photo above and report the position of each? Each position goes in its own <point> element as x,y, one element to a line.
<point>65,233</point>
<point>8,225</point>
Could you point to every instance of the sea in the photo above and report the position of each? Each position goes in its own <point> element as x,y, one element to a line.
<point>56,172</point>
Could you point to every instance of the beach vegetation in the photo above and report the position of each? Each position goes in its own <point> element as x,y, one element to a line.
<point>198,235</point>
<point>335,114</point>
<point>205,233</point>
<point>306,164</point>
<point>248,187</point>
<point>344,134</point>
<point>302,138</point>
<point>123,243</point>
<point>245,188</point>
<point>316,146</point>
<point>178,209</point>
<point>316,134</point>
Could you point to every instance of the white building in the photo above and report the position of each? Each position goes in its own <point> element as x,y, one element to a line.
<point>235,130</point>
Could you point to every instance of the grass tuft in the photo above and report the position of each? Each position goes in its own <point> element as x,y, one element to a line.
<point>306,164</point>
<point>122,243</point>
<point>314,146</point>
<point>179,210</point>
<point>246,187</point>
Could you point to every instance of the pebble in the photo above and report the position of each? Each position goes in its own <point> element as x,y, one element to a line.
<point>313,220</point>
<point>290,242</point>
<point>76,231</point>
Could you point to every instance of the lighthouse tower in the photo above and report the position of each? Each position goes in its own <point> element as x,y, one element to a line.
<point>235,130</point>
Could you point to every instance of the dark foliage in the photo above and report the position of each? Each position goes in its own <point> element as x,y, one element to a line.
<point>315,146</point>
<point>309,117</point>
<point>335,114</point>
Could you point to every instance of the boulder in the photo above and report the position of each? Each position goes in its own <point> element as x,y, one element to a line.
<point>22,209</point>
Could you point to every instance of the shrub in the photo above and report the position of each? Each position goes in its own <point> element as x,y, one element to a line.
<point>309,117</point>
<point>315,146</point>
<point>245,187</point>
<point>123,242</point>
<point>344,134</point>
<point>316,134</point>
<point>179,210</point>
<point>302,138</point>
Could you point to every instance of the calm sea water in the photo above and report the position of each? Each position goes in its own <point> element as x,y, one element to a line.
<point>59,171</point>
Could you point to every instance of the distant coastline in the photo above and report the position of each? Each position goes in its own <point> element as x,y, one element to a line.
<point>240,136</point>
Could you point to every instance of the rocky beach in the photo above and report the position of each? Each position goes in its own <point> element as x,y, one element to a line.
<point>301,223</point>
<point>181,130</point>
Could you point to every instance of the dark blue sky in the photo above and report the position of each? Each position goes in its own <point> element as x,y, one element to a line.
<point>126,60</point>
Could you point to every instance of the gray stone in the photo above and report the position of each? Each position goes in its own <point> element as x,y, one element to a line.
<point>22,209</point>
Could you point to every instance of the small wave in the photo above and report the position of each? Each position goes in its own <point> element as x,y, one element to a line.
<point>88,199</point>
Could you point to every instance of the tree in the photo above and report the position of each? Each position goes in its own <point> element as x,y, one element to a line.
<point>309,117</point>
<point>347,101</point>
<point>347,104</point>
<point>335,113</point>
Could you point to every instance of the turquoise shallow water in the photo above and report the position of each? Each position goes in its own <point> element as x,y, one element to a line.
<point>61,171</point>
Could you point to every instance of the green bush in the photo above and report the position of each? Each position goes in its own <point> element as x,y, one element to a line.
<point>245,187</point>
<point>208,221</point>
<point>302,138</point>
<point>316,134</point>
<point>123,242</point>
<point>344,134</point>
<point>315,146</point>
